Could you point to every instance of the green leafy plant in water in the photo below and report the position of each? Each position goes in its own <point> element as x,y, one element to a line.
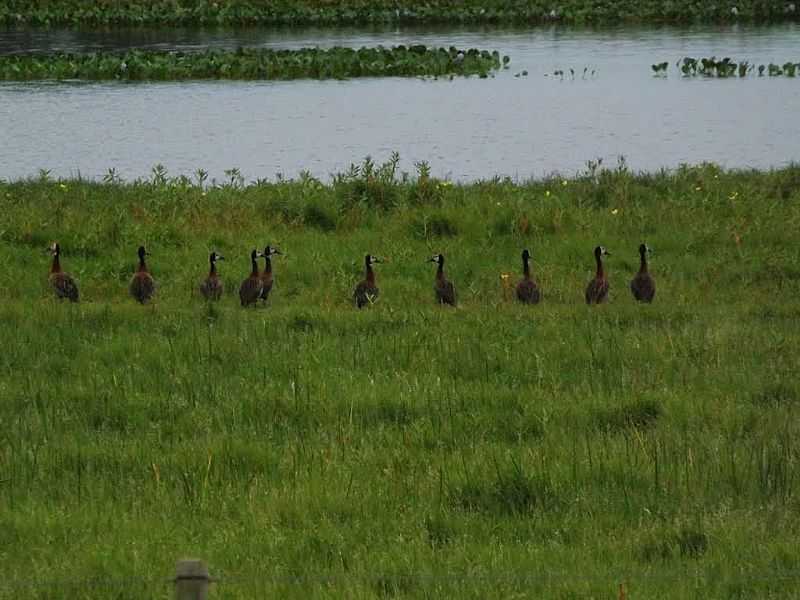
<point>726,67</point>
<point>252,63</point>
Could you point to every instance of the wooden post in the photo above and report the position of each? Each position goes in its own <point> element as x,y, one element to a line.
<point>191,580</point>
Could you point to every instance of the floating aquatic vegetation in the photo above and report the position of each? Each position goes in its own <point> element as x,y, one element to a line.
<point>253,63</point>
<point>726,67</point>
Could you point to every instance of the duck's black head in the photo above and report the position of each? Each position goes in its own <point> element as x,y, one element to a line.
<point>54,249</point>
<point>526,255</point>
<point>254,254</point>
<point>214,257</point>
<point>601,251</point>
<point>438,259</point>
<point>644,249</point>
<point>142,253</point>
<point>370,260</point>
<point>270,251</point>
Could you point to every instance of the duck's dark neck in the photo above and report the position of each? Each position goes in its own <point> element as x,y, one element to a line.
<point>440,271</point>
<point>370,274</point>
<point>643,262</point>
<point>212,271</point>
<point>56,267</point>
<point>142,265</point>
<point>253,266</point>
<point>600,272</point>
<point>526,268</point>
<point>267,265</point>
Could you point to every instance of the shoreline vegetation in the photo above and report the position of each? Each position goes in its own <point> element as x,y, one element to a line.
<point>425,208</point>
<point>488,451</point>
<point>358,12</point>
<point>253,64</point>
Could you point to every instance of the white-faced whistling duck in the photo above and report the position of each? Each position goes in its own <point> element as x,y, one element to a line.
<point>643,286</point>
<point>366,291</point>
<point>62,283</point>
<point>266,276</point>
<point>250,290</point>
<point>143,286</point>
<point>597,290</point>
<point>527,289</point>
<point>211,288</point>
<point>445,290</point>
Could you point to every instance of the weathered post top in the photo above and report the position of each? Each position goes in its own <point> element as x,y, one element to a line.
<point>191,579</point>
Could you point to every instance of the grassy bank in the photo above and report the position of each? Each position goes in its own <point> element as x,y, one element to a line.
<point>252,63</point>
<point>340,12</point>
<point>307,449</point>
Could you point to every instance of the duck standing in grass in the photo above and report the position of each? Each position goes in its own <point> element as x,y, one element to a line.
<point>266,276</point>
<point>211,288</point>
<point>250,290</point>
<point>642,286</point>
<point>62,283</point>
<point>597,290</point>
<point>527,289</point>
<point>142,286</point>
<point>444,289</point>
<point>366,291</point>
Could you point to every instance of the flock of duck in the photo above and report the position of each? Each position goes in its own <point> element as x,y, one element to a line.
<point>258,285</point>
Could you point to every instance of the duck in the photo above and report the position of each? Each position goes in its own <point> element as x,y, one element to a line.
<point>367,291</point>
<point>643,287</point>
<point>250,290</point>
<point>211,287</point>
<point>597,290</point>
<point>527,289</point>
<point>62,283</point>
<point>266,275</point>
<point>444,289</point>
<point>142,286</point>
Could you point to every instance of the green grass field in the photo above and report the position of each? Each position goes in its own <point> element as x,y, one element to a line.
<point>307,449</point>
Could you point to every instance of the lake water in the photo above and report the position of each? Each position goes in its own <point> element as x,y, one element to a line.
<point>466,129</point>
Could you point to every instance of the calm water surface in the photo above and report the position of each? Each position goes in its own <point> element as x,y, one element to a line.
<point>466,128</point>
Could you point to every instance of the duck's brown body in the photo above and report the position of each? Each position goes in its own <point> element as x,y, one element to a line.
<point>62,283</point>
<point>250,290</point>
<point>267,280</point>
<point>142,286</point>
<point>597,290</point>
<point>212,287</point>
<point>527,288</point>
<point>443,288</point>
<point>366,291</point>
<point>643,287</point>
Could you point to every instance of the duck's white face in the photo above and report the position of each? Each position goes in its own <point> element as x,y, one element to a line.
<point>53,248</point>
<point>603,251</point>
<point>437,258</point>
<point>270,251</point>
<point>374,259</point>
